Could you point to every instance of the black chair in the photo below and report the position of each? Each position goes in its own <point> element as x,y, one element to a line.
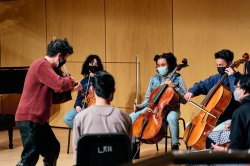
<point>103,149</point>
<point>167,136</point>
<point>7,122</point>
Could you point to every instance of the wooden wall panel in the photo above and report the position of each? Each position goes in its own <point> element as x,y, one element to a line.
<point>22,39</point>
<point>82,23</point>
<point>125,88</point>
<point>135,27</point>
<point>201,28</point>
<point>118,30</point>
<point>22,32</point>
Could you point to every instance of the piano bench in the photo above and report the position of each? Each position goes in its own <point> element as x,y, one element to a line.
<point>7,122</point>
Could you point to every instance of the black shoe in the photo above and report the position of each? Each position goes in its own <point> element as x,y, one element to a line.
<point>175,147</point>
<point>136,151</point>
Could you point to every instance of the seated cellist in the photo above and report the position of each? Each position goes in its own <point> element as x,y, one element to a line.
<point>223,60</point>
<point>165,64</point>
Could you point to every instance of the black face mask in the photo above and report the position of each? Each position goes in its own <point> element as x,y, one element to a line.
<point>93,69</point>
<point>221,70</point>
<point>61,63</point>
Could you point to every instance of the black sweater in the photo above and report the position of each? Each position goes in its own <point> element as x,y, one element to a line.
<point>240,126</point>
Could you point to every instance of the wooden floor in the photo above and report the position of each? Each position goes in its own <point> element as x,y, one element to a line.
<point>9,157</point>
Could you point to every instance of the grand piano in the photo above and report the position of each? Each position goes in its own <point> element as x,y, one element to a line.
<point>11,81</point>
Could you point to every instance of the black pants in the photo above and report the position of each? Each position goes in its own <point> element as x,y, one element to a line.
<point>38,139</point>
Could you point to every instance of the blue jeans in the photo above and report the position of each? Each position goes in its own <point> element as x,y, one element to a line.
<point>172,119</point>
<point>69,117</point>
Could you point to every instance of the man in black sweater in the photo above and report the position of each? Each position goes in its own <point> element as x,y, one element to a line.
<point>240,125</point>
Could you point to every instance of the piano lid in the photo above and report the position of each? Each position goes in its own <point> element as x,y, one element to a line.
<point>12,79</point>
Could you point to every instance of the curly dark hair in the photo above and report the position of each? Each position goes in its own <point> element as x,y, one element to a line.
<point>170,58</point>
<point>59,46</point>
<point>89,59</point>
<point>225,54</point>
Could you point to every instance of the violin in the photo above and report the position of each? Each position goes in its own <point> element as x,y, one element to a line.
<point>150,127</point>
<point>62,73</point>
<point>215,103</point>
<point>89,95</point>
<point>89,98</point>
<point>63,95</point>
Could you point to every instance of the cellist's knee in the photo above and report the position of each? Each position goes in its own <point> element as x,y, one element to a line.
<point>173,117</point>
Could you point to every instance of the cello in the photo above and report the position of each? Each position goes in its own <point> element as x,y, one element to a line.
<point>150,126</point>
<point>214,104</point>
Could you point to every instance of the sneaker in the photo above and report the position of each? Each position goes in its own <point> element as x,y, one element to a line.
<point>175,147</point>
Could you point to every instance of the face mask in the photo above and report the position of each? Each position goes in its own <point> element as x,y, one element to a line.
<point>61,63</point>
<point>221,70</point>
<point>93,69</point>
<point>162,70</point>
<point>236,95</point>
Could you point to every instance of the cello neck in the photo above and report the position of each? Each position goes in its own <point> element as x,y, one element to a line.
<point>178,68</point>
<point>170,75</point>
<point>213,90</point>
<point>158,95</point>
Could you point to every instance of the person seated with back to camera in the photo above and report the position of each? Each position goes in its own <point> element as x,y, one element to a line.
<point>101,117</point>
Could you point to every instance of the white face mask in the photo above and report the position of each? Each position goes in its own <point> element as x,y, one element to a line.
<point>236,95</point>
<point>162,70</point>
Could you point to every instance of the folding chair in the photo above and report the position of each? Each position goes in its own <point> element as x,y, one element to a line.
<point>103,149</point>
<point>166,137</point>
